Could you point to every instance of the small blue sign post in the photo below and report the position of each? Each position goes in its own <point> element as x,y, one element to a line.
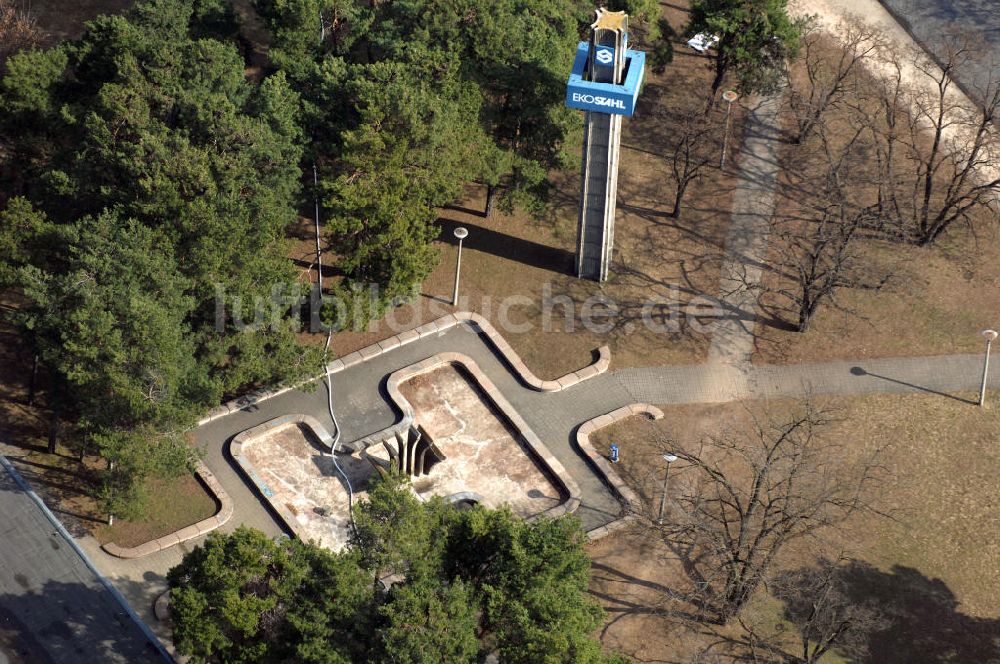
<point>614,453</point>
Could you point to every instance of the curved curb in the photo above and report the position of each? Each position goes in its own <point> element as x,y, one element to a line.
<point>184,534</point>
<point>624,493</point>
<point>510,356</point>
<point>599,366</point>
<point>311,423</point>
<point>549,463</point>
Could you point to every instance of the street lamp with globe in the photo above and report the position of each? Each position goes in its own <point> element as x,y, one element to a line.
<point>669,458</point>
<point>990,336</point>
<point>460,233</point>
<point>730,96</point>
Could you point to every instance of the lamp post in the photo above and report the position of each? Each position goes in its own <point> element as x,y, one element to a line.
<point>730,96</point>
<point>990,335</point>
<point>461,233</point>
<point>669,458</point>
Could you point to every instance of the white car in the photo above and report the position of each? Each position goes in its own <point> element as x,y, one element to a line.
<point>703,41</point>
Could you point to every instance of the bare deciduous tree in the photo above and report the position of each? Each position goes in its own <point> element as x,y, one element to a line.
<point>936,153</point>
<point>815,250</point>
<point>18,30</point>
<point>740,498</point>
<point>820,606</point>
<point>694,149</point>
<point>830,65</point>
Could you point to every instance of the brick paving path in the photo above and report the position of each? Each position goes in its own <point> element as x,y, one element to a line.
<point>362,407</point>
<point>361,404</point>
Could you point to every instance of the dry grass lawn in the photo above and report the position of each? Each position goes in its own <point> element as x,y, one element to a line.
<point>933,567</point>
<point>665,261</point>
<point>173,505</point>
<point>938,297</point>
<point>938,301</point>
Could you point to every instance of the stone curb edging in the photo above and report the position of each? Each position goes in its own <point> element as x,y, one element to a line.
<point>535,445</point>
<point>630,501</point>
<point>569,486</point>
<point>311,423</point>
<point>438,326</point>
<point>599,366</point>
<point>184,534</point>
<point>250,471</point>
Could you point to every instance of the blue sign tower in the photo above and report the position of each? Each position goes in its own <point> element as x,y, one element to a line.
<point>605,83</point>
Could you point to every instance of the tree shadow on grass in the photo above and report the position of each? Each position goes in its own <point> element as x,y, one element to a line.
<point>510,247</point>
<point>465,210</point>
<point>921,622</point>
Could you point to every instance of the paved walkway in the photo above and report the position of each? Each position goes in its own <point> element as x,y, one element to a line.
<point>363,409</point>
<point>53,608</point>
<point>746,243</point>
<point>362,406</point>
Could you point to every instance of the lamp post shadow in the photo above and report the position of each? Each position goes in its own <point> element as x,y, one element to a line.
<point>859,371</point>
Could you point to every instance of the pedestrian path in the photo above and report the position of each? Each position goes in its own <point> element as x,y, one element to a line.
<point>942,374</point>
<point>362,406</point>
<point>362,409</point>
<point>746,243</point>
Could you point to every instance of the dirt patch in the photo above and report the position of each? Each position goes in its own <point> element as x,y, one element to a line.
<point>66,20</point>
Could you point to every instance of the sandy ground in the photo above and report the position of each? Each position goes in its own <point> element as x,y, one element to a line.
<point>831,14</point>
<point>482,456</point>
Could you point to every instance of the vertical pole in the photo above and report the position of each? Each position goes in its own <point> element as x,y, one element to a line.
<point>319,254</point>
<point>986,369</point>
<point>663,498</point>
<point>111,469</point>
<point>725,137</point>
<point>56,425</point>
<point>34,380</point>
<point>458,271</point>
